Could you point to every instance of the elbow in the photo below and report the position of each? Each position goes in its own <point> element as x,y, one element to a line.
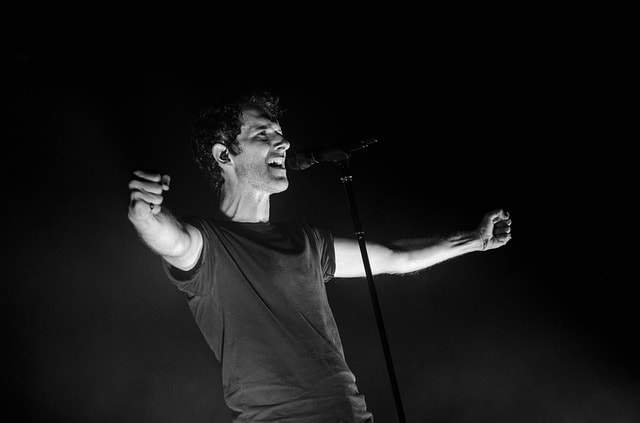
<point>179,248</point>
<point>404,262</point>
<point>180,245</point>
<point>187,250</point>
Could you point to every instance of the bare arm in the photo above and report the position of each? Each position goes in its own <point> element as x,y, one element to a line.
<point>178,243</point>
<point>412,255</point>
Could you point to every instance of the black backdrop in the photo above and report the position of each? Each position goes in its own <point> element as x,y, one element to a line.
<point>543,330</point>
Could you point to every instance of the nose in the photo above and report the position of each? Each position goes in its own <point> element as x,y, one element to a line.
<point>282,143</point>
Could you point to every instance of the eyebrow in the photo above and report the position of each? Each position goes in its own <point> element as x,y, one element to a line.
<point>269,126</point>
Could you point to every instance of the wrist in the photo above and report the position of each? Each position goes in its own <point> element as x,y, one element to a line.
<point>148,223</point>
<point>471,241</point>
<point>479,241</point>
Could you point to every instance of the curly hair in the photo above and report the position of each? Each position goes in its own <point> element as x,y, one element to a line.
<point>221,124</point>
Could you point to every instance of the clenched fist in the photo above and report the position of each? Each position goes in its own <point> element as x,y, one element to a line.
<point>495,229</point>
<point>146,194</point>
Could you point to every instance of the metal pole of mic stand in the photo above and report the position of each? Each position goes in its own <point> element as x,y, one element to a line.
<point>347,179</point>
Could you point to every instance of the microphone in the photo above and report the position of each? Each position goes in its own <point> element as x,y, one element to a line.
<point>333,153</point>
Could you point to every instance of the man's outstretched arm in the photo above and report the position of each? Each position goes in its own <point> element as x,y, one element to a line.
<point>413,255</point>
<point>178,243</point>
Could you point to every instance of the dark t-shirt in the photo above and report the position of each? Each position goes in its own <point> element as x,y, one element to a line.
<point>258,296</point>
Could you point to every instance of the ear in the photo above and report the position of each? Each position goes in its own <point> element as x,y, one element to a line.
<point>221,154</point>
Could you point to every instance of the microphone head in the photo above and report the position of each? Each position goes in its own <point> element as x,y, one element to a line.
<point>332,153</point>
<point>298,161</point>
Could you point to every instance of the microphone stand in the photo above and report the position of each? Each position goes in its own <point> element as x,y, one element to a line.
<point>341,159</point>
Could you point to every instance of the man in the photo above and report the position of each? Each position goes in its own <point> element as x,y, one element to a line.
<point>256,287</point>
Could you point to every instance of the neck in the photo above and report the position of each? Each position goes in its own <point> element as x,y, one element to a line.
<point>244,205</point>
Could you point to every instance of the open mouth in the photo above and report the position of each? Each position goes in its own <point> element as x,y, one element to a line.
<point>276,162</point>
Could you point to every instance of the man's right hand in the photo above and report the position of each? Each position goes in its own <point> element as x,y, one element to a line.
<point>146,198</point>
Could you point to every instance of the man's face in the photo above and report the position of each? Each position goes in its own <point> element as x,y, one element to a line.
<point>260,165</point>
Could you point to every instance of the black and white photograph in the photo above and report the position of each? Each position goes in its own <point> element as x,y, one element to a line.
<point>367,229</point>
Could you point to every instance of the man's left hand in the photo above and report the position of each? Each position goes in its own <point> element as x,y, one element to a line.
<point>494,229</point>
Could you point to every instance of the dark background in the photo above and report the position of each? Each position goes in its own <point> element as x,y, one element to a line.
<point>543,330</point>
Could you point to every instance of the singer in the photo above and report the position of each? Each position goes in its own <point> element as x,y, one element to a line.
<point>256,286</point>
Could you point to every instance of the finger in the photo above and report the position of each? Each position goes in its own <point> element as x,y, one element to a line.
<point>503,223</point>
<point>147,197</point>
<point>154,177</point>
<point>496,215</point>
<point>501,217</point>
<point>141,209</point>
<point>165,180</point>
<point>148,186</point>
<point>501,231</point>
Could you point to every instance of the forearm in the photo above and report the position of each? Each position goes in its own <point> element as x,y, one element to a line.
<point>163,233</point>
<point>417,254</point>
<point>412,255</point>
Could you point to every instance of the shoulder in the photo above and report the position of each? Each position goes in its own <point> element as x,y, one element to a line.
<point>203,223</point>
<point>317,231</point>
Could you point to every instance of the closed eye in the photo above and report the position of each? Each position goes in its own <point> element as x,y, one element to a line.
<point>262,136</point>
<point>265,136</point>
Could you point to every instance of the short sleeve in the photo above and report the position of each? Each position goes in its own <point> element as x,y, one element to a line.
<point>199,280</point>
<point>327,253</point>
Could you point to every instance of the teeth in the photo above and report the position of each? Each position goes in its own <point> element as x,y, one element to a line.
<point>277,161</point>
